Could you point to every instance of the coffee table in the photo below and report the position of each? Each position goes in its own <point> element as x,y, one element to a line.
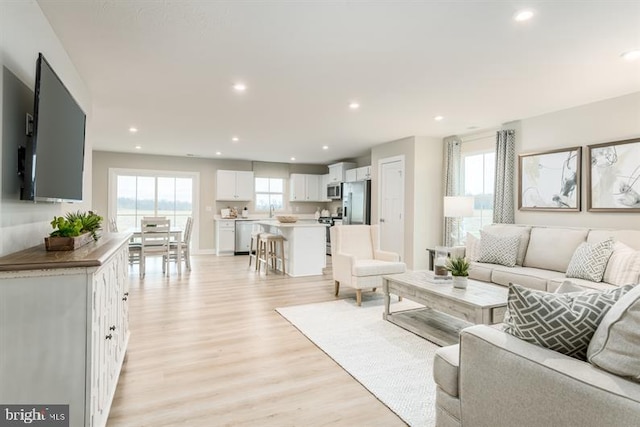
<point>447,309</point>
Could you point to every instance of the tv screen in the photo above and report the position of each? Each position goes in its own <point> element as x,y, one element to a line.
<point>54,161</point>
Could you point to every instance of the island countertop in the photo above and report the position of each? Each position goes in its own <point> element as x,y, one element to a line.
<point>301,223</point>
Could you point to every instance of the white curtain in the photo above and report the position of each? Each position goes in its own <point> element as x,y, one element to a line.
<point>452,159</point>
<point>503,205</point>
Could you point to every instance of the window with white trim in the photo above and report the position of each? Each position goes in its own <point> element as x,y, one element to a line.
<point>140,194</point>
<point>478,177</point>
<point>269,192</point>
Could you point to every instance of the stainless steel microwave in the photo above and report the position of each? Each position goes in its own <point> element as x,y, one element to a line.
<point>334,191</point>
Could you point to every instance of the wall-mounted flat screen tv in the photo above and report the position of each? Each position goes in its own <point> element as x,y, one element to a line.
<point>54,157</point>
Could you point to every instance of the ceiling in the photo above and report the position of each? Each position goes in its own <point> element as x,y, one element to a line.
<point>168,67</point>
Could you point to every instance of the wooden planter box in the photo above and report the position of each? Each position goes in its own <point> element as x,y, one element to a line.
<point>67,243</point>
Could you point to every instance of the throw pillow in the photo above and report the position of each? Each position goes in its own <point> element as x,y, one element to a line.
<point>561,322</point>
<point>623,267</point>
<point>472,247</point>
<point>589,260</point>
<point>498,249</point>
<point>615,346</point>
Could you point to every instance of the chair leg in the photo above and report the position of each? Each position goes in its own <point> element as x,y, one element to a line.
<point>359,297</point>
<point>187,259</point>
<point>337,287</point>
<point>141,265</point>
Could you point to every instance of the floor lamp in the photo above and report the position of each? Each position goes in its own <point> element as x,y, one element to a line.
<point>458,207</point>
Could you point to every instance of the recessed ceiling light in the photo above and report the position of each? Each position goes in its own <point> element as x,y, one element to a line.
<point>325,147</point>
<point>218,153</point>
<point>632,55</point>
<point>438,118</point>
<point>523,15</point>
<point>235,139</point>
<point>293,159</point>
<point>239,87</point>
<point>354,105</point>
<point>138,147</point>
<point>133,129</point>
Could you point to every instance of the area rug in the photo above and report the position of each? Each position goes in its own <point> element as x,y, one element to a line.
<point>392,363</point>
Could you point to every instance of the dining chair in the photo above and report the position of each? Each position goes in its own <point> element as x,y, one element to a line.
<point>155,240</point>
<point>184,245</point>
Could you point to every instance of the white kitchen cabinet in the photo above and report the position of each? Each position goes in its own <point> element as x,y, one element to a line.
<point>337,171</point>
<point>234,185</point>
<point>363,173</point>
<point>225,237</point>
<point>65,332</point>
<point>305,188</point>
<point>350,175</point>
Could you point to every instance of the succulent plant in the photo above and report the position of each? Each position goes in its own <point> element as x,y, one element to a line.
<point>76,223</point>
<point>458,266</point>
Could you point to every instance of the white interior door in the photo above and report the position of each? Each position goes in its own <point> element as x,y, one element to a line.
<point>391,173</point>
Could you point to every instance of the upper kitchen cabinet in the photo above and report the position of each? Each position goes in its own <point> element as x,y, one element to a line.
<point>337,171</point>
<point>234,185</point>
<point>363,173</point>
<point>306,188</point>
<point>350,175</point>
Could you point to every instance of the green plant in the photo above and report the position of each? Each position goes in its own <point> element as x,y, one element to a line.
<point>458,266</point>
<point>76,223</point>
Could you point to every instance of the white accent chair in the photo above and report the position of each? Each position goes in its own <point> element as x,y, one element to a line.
<point>357,260</point>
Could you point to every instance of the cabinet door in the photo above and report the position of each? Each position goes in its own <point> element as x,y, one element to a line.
<point>225,185</point>
<point>244,185</point>
<point>363,173</point>
<point>227,240</point>
<point>312,187</point>
<point>351,175</point>
<point>298,187</point>
<point>335,173</point>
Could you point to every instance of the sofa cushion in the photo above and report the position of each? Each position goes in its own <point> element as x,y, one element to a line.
<point>374,267</point>
<point>552,248</point>
<point>561,322</point>
<point>589,260</point>
<point>623,267</point>
<point>481,271</point>
<point>553,284</point>
<point>513,229</point>
<point>533,278</point>
<point>615,346</point>
<point>445,368</point>
<point>497,249</point>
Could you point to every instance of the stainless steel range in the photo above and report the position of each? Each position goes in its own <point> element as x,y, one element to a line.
<point>331,220</point>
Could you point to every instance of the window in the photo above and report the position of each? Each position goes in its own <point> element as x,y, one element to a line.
<point>269,192</point>
<point>479,176</point>
<point>138,195</point>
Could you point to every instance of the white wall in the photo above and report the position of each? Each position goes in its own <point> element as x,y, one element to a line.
<point>24,31</point>
<point>610,120</point>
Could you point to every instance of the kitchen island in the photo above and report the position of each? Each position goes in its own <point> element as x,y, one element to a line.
<point>304,247</point>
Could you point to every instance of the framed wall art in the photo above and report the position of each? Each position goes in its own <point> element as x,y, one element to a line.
<point>550,180</point>
<point>614,176</point>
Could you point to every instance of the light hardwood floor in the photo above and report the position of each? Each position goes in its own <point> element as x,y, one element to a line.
<point>209,349</point>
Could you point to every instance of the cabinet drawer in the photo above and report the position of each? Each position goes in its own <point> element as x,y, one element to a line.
<point>497,314</point>
<point>227,224</point>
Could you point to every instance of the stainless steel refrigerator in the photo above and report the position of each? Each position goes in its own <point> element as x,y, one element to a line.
<point>356,202</point>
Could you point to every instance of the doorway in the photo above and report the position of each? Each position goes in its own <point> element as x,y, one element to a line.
<point>391,173</point>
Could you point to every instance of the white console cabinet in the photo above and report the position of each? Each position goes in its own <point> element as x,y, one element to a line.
<point>64,327</point>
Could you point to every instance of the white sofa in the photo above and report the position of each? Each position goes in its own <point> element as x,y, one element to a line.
<point>495,379</point>
<point>544,255</point>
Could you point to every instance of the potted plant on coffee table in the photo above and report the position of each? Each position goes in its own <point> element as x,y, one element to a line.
<point>459,268</point>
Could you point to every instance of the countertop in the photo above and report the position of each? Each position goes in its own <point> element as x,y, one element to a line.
<point>301,223</point>
<point>93,254</point>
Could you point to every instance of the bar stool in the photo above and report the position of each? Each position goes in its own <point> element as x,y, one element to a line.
<point>253,253</point>
<point>268,251</point>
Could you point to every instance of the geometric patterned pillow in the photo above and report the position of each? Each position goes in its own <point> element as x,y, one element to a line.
<point>496,249</point>
<point>589,260</point>
<point>623,267</point>
<point>561,322</point>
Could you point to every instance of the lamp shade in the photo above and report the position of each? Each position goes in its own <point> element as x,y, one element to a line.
<point>458,206</point>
